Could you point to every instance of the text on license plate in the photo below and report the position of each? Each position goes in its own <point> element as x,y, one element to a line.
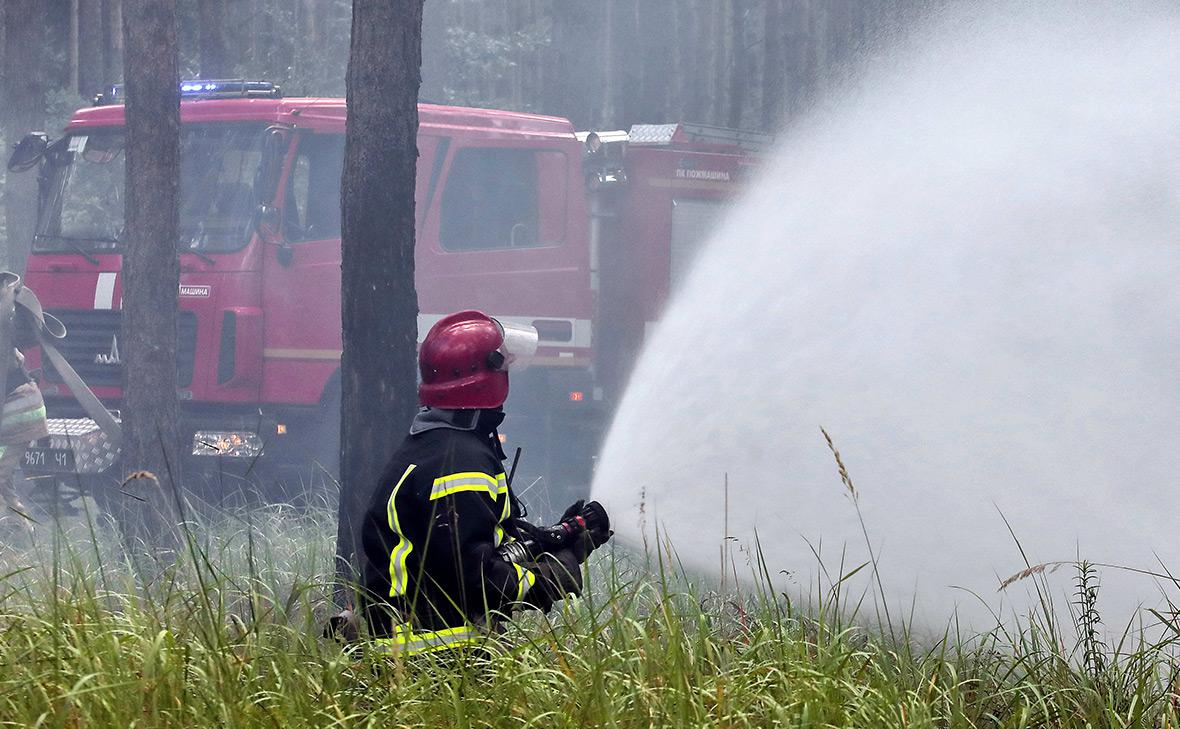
<point>51,459</point>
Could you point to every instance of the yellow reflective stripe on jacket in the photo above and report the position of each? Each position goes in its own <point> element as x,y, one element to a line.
<point>408,642</point>
<point>398,574</point>
<point>524,581</point>
<point>505,512</point>
<point>468,481</point>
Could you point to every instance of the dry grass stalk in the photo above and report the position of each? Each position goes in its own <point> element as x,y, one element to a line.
<point>840,465</point>
<point>1046,568</point>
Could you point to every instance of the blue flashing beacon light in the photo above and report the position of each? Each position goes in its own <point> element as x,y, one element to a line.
<point>205,89</point>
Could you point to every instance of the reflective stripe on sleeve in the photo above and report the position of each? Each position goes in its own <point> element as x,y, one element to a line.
<point>524,581</point>
<point>467,481</point>
<point>25,417</point>
<point>398,574</point>
<point>408,642</point>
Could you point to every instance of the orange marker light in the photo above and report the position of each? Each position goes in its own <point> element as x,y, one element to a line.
<point>281,429</point>
<point>577,396</point>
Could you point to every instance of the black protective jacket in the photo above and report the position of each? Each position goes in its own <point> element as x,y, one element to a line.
<point>431,572</point>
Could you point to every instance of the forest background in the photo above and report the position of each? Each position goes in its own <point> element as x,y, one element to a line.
<point>607,64</point>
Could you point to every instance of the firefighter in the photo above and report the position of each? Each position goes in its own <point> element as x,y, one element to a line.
<point>435,574</point>
<point>23,419</point>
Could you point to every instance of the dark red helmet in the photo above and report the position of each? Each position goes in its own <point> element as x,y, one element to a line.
<point>465,358</point>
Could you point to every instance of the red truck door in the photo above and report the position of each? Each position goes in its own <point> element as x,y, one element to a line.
<point>301,275</point>
<point>507,235</point>
<point>301,289</point>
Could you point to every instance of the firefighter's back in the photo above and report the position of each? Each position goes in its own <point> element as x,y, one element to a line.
<point>411,541</point>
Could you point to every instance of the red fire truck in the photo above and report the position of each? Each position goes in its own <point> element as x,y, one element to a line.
<point>581,235</point>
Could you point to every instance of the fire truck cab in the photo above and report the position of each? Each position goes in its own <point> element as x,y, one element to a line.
<point>579,235</point>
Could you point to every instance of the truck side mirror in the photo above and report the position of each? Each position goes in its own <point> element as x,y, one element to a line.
<point>28,152</point>
<point>275,143</point>
<point>266,222</point>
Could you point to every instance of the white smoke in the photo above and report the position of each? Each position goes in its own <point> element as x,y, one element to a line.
<point>966,266</point>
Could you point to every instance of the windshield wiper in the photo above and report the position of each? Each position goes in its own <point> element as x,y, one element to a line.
<point>190,246</point>
<point>198,254</point>
<point>74,244</point>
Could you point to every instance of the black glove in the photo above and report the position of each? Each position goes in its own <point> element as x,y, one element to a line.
<point>597,531</point>
<point>344,627</point>
<point>557,575</point>
<point>597,523</point>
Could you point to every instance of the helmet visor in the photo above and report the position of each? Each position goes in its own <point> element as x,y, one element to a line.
<point>519,347</point>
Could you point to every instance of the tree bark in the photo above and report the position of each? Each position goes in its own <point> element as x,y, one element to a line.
<point>72,51</point>
<point>112,52</point>
<point>21,112</point>
<point>151,268</point>
<point>739,68</point>
<point>610,63</point>
<point>380,306</point>
<point>211,38</point>
<point>90,43</point>
<point>773,71</point>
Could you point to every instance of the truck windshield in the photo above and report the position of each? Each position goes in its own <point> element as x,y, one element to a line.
<point>219,166</point>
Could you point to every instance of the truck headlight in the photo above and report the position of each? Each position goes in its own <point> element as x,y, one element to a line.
<point>227,443</point>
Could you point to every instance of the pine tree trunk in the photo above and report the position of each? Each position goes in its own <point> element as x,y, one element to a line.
<point>609,65</point>
<point>721,71</point>
<point>773,71</point>
<point>211,39</point>
<point>112,53</point>
<point>72,51</point>
<point>380,307</point>
<point>151,268</point>
<point>90,42</point>
<point>21,112</point>
<point>740,71</point>
<point>678,79</point>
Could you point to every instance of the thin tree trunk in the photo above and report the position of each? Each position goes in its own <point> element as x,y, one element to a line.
<point>311,25</point>
<point>90,42</point>
<point>151,269</point>
<point>72,51</point>
<point>773,72</point>
<point>609,65</point>
<point>807,48</point>
<point>678,80</point>
<point>722,29</point>
<point>21,112</point>
<point>740,70</point>
<point>112,42</point>
<point>380,307</point>
<point>211,39</point>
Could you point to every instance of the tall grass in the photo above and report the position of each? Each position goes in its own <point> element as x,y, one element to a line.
<point>229,634</point>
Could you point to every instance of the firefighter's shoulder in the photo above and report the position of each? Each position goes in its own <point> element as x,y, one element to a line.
<point>454,455</point>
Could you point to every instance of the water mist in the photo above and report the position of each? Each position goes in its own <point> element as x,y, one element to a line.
<point>965,264</point>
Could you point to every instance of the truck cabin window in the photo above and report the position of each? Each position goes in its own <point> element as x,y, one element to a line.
<point>311,209</point>
<point>219,165</point>
<point>499,198</point>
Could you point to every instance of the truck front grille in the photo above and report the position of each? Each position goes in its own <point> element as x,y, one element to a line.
<point>92,347</point>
